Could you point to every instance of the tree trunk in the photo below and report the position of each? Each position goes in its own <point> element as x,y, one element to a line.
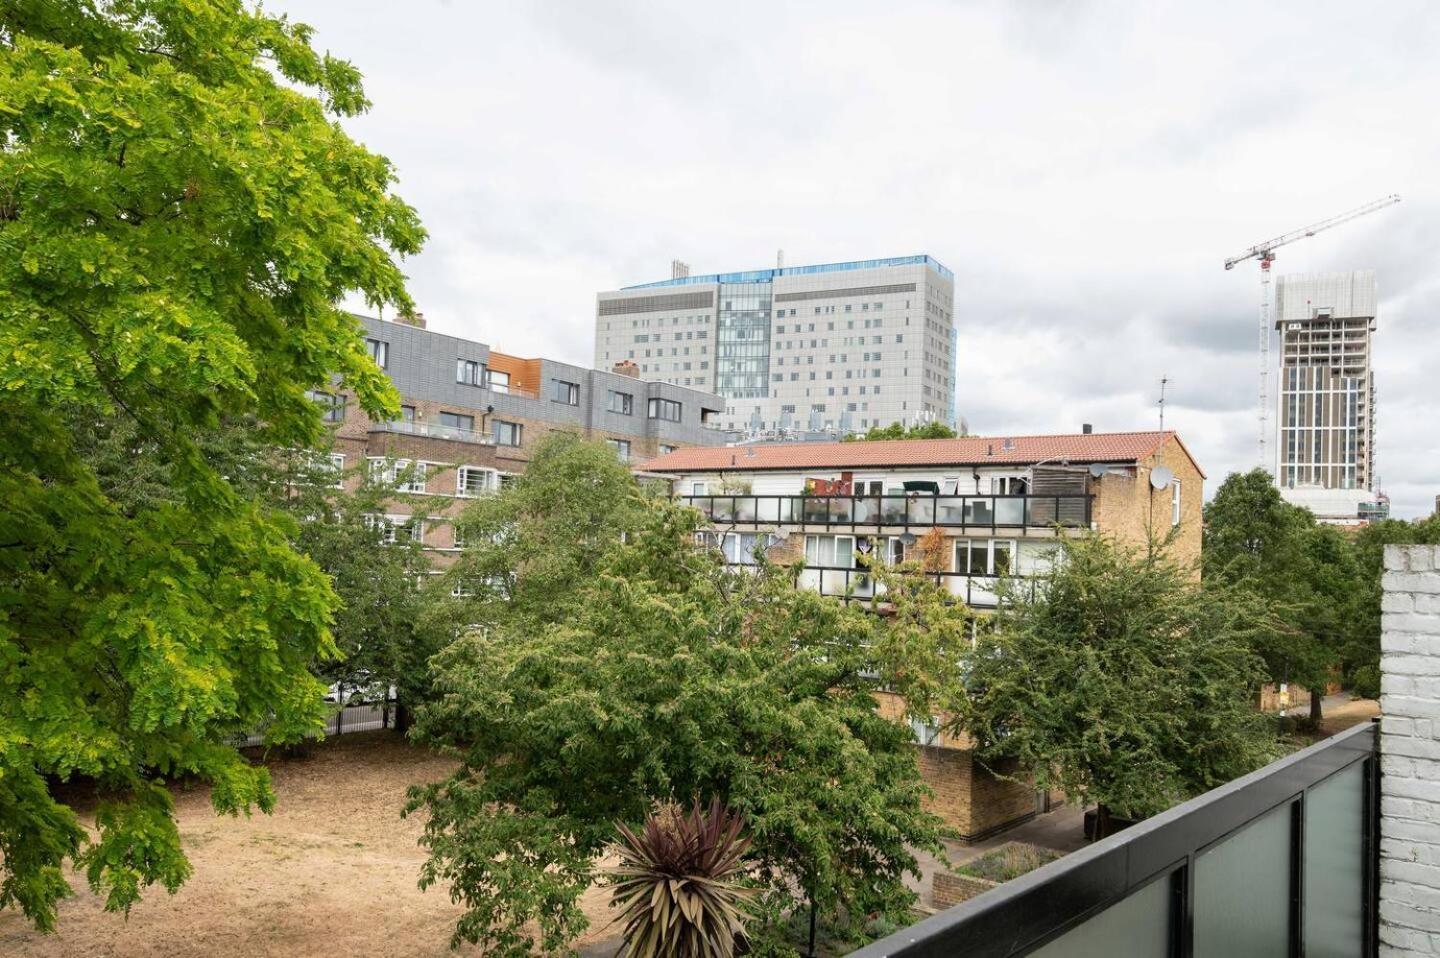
<point>1315,706</point>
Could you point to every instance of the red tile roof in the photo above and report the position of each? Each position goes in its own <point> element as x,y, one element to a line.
<point>1111,447</point>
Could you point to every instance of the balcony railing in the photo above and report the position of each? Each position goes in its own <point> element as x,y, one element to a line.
<point>1282,862</point>
<point>903,511</point>
<point>433,430</point>
<point>860,585</point>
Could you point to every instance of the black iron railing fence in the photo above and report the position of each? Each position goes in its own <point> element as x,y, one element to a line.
<point>1282,862</point>
<point>903,511</point>
<point>861,585</point>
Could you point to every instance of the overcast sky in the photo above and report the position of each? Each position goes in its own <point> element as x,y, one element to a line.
<point>1084,168</point>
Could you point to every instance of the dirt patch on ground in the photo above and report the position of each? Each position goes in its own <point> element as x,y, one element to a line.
<point>1337,718</point>
<point>331,872</point>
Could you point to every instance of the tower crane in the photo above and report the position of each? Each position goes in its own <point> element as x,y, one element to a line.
<point>1265,253</point>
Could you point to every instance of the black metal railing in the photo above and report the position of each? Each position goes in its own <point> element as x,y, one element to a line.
<point>1282,862</point>
<point>902,511</point>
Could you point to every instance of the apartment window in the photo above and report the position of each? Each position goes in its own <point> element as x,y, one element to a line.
<point>470,372</point>
<point>666,449</point>
<point>563,392</point>
<point>1175,503</point>
<point>984,556</point>
<point>407,413</point>
<point>497,381</point>
<point>332,405</point>
<point>621,447</point>
<point>472,481</point>
<point>830,551</point>
<point>697,488</point>
<point>455,420</point>
<point>379,351</point>
<point>393,529</point>
<point>667,409</point>
<point>623,403</point>
<point>408,476</point>
<point>507,433</point>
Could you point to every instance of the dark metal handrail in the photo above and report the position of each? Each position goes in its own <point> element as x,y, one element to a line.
<point>1022,915</point>
<point>900,511</point>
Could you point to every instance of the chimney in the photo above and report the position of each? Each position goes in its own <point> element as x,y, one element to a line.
<point>1086,429</point>
<point>413,318</point>
<point>626,368</point>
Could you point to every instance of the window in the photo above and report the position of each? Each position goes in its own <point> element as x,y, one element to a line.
<point>455,420</point>
<point>623,403</point>
<point>697,488</point>
<point>379,351</point>
<point>621,447</point>
<point>469,371</point>
<point>1175,503</point>
<point>568,393</point>
<point>393,529</point>
<point>497,381</point>
<point>411,476</point>
<point>667,409</point>
<point>332,406</point>
<point>666,449</point>
<point>830,551</point>
<point>472,481</point>
<point>407,413</point>
<point>507,433</point>
<point>984,557</point>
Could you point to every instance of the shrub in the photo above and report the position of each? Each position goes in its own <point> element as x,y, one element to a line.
<point>676,884</point>
<point>1010,860</point>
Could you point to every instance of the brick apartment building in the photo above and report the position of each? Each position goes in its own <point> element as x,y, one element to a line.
<point>1000,502</point>
<point>471,416</point>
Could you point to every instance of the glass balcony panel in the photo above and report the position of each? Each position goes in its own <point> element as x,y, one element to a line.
<point>767,508</point>
<point>810,579</point>
<point>1010,512</point>
<point>1335,866</point>
<point>978,512</point>
<point>815,510</point>
<point>922,510</point>
<point>982,591</point>
<point>723,508</point>
<point>840,510</point>
<point>893,510</point>
<point>1137,926</point>
<point>864,509</point>
<point>745,509</point>
<point>949,511</point>
<point>1242,892</point>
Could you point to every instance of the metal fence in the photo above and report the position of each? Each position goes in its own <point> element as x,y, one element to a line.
<point>902,511</point>
<point>353,717</point>
<point>1282,862</point>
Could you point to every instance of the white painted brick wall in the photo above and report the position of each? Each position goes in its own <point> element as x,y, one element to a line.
<point>1410,753</point>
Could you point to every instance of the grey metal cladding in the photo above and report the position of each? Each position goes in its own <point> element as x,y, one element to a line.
<point>421,363</point>
<point>852,291</point>
<point>626,305</point>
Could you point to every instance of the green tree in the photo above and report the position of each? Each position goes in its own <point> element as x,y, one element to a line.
<point>1305,572</point>
<point>1119,679</point>
<point>668,677</point>
<point>898,430</point>
<point>1361,655</point>
<point>180,214</point>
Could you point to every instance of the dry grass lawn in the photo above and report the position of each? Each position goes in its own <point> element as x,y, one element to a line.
<point>331,872</point>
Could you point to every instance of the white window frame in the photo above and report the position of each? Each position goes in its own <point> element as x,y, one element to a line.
<point>337,468</point>
<point>1175,503</point>
<point>488,481</point>
<point>621,447</point>
<point>1012,546</point>
<point>471,372</point>
<point>379,351</point>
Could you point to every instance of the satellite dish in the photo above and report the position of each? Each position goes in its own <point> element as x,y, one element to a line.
<point>908,538</point>
<point>1160,477</point>
<point>1097,469</point>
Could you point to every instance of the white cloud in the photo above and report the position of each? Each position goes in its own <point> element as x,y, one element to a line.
<point>1083,167</point>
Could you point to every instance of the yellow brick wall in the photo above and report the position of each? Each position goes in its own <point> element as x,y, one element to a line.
<point>1133,511</point>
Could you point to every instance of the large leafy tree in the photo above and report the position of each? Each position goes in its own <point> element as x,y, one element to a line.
<point>1361,655</point>
<point>668,677</point>
<point>1119,679</point>
<point>1305,572</point>
<point>180,213</point>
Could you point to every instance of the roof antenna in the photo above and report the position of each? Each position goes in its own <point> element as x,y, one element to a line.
<point>1163,383</point>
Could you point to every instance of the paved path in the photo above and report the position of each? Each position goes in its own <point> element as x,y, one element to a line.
<point>1061,829</point>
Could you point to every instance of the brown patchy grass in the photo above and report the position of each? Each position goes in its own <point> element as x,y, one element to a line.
<point>331,872</point>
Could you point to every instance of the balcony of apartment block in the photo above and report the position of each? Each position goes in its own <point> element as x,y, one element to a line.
<point>432,430</point>
<point>1283,862</point>
<point>1026,515</point>
<point>851,584</point>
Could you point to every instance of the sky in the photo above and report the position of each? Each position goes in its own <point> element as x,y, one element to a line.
<point>1083,168</point>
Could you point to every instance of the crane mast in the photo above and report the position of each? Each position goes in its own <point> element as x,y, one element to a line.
<point>1265,254</point>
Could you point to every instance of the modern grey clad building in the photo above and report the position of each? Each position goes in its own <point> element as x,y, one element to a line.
<point>835,347</point>
<point>1326,450</point>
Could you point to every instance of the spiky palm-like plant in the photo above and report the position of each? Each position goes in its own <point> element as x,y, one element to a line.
<point>676,885</point>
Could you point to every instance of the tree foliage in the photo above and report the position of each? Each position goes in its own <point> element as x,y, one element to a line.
<point>1119,679</point>
<point>180,214</point>
<point>665,676</point>
<point>1361,656</point>
<point>1304,571</point>
<point>935,429</point>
